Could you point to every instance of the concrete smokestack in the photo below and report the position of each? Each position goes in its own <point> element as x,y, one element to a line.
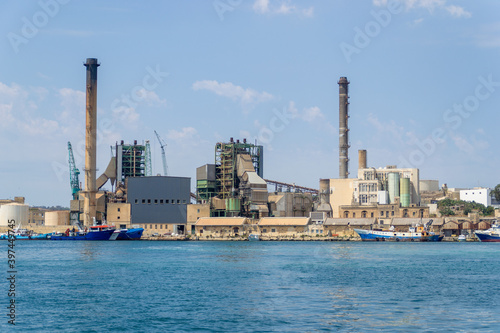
<point>343,128</point>
<point>362,159</point>
<point>90,204</point>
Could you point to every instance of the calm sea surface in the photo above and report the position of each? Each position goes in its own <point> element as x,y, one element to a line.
<point>148,286</point>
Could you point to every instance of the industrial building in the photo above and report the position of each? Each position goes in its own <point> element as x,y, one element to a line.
<point>159,203</point>
<point>479,195</point>
<point>234,186</point>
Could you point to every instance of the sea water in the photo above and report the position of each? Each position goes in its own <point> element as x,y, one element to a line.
<point>148,286</point>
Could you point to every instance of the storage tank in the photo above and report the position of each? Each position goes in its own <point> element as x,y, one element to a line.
<point>233,204</point>
<point>393,186</point>
<point>382,197</point>
<point>58,217</point>
<point>404,192</point>
<point>14,211</point>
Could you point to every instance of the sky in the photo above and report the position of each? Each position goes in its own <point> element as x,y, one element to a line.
<point>424,86</point>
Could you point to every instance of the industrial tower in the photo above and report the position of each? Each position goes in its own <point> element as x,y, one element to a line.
<point>343,128</point>
<point>90,205</point>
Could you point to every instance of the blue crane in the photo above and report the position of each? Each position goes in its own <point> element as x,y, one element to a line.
<point>73,174</point>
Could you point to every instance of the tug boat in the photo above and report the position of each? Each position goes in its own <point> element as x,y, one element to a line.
<point>419,234</point>
<point>490,235</point>
<point>95,233</point>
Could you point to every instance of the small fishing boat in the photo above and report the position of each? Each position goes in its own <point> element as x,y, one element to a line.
<point>97,232</point>
<point>462,238</point>
<point>490,235</point>
<point>127,234</point>
<point>253,237</point>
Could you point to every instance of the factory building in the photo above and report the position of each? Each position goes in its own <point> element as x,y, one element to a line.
<point>234,186</point>
<point>159,203</point>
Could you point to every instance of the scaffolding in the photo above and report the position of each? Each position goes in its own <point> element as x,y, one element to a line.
<point>226,179</point>
<point>131,161</point>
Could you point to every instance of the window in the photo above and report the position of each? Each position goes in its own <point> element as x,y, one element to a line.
<point>413,213</point>
<point>156,226</point>
<point>381,213</point>
<point>118,209</point>
<point>166,201</point>
<point>353,214</point>
<point>178,201</point>
<point>117,217</point>
<point>143,201</point>
<point>149,201</point>
<point>371,214</point>
<point>264,230</point>
<point>161,226</point>
<point>273,230</point>
<point>392,213</point>
<point>156,201</point>
<point>198,210</point>
<point>161,201</point>
<point>183,201</point>
<point>321,231</point>
<point>136,200</point>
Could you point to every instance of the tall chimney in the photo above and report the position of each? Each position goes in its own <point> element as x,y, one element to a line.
<point>90,205</point>
<point>362,159</point>
<point>343,128</point>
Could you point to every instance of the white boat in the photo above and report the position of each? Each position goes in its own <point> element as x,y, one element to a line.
<point>462,238</point>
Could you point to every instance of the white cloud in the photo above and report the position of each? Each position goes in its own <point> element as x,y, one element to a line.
<point>313,113</point>
<point>187,133</point>
<point>457,11</point>
<point>261,6</point>
<point>150,97</point>
<point>284,7</point>
<point>429,5</point>
<point>234,92</point>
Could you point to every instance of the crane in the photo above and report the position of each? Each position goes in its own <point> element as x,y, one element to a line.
<point>164,159</point>
<point>73,174</point>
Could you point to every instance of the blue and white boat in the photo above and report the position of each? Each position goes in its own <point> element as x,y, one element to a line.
<point>127,234</point>
<point>95,233</point>
<point>253,237</point>
<point>419,234</point>
<point>490,235</point>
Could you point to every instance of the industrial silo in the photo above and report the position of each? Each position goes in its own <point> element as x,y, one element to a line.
<point>14,211</point>
<point>404,192</point>
<point>393,186</point>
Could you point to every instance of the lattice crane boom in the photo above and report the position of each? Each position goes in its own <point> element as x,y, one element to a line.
<point>73,174</point>
<point>163,157</point>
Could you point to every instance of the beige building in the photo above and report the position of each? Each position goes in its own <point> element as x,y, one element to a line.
<point>222,227</point>
<point>194,212</point>
<point>383,211</point>
<point>341,194</point>
<point>284,226</point>
<point>290,204</point>
<point>118,214</point>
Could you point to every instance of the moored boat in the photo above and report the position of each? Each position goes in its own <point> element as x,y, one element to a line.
<point>98,232</point>
<point>419,234</point>
<point>490,235</point>
<point>127,234</point>
<point>253,237</point>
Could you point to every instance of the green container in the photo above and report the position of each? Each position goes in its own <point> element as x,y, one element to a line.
<point>404,192</point>
<point>233,204</point>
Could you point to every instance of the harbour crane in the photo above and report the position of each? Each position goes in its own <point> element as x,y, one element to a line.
<point>163,157</point>
<point>73,174</point>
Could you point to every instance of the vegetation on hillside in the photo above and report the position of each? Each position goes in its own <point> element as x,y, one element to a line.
<point>468,207</point>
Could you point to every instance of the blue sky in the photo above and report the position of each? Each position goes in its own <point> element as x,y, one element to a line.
<point>424,92</point>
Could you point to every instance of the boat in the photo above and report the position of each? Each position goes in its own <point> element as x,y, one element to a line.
<point>22,233</point>
<point>253,237</point>
<point>127,234</point>
<point>462,238</point>
<point>95,233</point>
<point>490,235</point>
<point>419,233</point>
